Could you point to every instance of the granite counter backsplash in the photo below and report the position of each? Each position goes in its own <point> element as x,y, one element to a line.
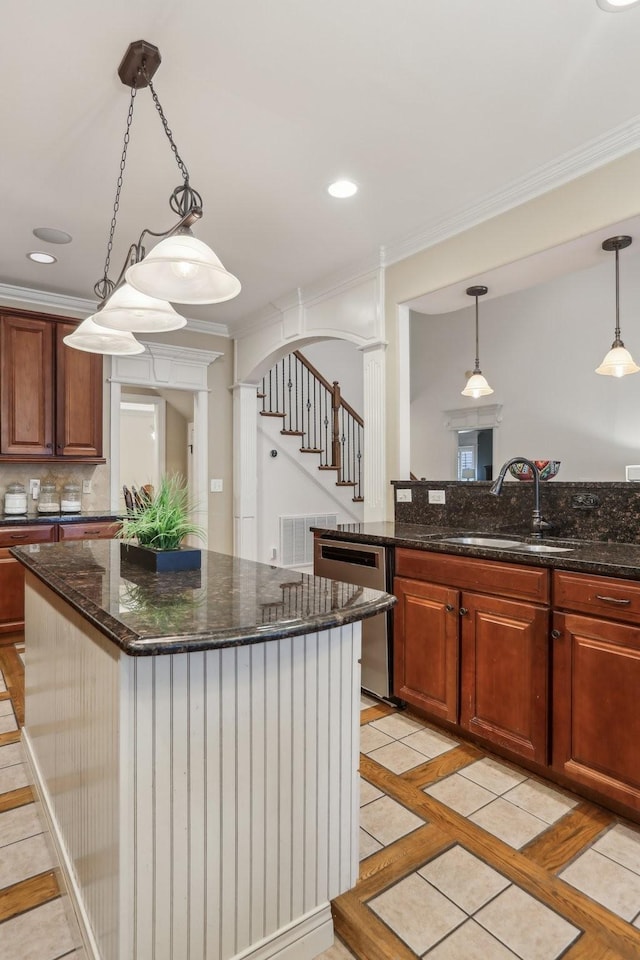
<point>586,511</point>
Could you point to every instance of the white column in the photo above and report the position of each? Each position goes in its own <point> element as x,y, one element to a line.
<point>404,392</point>
<point>114,446</point>
<point>245,471</point>
<point>374,396</point>
<point>201,463</point>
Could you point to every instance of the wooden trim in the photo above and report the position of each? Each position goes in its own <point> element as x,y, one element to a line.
<point>27,894</point>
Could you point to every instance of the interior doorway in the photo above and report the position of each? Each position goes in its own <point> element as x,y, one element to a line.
<point>474,456</point>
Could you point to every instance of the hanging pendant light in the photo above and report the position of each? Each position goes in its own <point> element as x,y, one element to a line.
<point>92,338</point>
<point>129,310</point>
<point>618,362</point>
<point>180,268</point>
<point>477,385</point>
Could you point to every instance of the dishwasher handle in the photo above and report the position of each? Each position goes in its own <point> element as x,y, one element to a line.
<point>355,557</point>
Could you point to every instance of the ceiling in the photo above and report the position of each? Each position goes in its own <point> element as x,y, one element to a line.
<point>432,107</point>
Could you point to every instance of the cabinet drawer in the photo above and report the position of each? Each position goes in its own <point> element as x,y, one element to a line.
<point>93,530</point>
<point>484,576</point>
<point>15,536</point>
<point>604,596</point>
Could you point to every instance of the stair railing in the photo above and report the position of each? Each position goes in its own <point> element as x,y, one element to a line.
<point>312,408</point>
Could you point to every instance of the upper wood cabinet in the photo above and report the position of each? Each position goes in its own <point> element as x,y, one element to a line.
<point>50,395</point>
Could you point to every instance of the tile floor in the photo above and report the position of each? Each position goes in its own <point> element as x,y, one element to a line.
<point>463,857</point>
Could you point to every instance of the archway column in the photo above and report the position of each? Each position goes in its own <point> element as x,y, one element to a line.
<point>245,471</point>
<point>374,414</point>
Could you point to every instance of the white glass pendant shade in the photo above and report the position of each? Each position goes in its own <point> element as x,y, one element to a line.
<point>183,269</point>
<point>129,310</point>
<point>92,338</point>
<point>618,363</point>
<point>477,386</point>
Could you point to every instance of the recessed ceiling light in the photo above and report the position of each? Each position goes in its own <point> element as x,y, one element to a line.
<point>39,257</point>
<point>616,6</point>
<point>342,189</point>
<point>51,235</point>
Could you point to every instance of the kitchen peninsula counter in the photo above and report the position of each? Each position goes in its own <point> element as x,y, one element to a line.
<point>194,738</point>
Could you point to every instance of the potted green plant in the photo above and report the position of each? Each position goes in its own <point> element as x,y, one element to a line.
<point>159,525</point>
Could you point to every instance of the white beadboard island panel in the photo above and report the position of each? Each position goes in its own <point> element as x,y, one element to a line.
<point>204,804</point>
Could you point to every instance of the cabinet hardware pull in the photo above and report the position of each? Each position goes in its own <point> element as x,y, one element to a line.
<point>556,634</point>
<point>449,607</point>
<point>18,536</point>
<point>463,611</point>
<point>613,600</point>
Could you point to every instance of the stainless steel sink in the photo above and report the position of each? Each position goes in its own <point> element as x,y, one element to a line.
<point>541,548</point>
<point>497,542</point>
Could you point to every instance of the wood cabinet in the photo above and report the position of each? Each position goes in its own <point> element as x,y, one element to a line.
<point>596,678</point>
<point>92,530</point>
<point>471,646</point>
<point>12,571</point>
<point>50,394</point>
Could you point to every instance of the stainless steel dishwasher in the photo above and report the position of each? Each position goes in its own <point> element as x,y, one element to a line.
<point>364,565</point>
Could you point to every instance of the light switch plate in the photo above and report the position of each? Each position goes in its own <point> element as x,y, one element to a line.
<point>404,495</point>
<point>437,496</point>
<point>86,486</point>
<point>216,486</point>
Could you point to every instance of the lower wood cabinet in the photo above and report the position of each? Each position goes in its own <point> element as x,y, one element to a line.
<point>470,657</point>
<point>92,530</point>
<point>12,571</point>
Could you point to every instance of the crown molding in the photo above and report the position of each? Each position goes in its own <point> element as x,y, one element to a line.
<point>569,166</point>
<point>207,326</point>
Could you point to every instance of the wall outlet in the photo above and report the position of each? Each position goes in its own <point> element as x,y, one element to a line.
<point>86,486</point>
<point>404,495</point>
<point>216,486</point>
<point>437,496</point>
<point>34,489</point>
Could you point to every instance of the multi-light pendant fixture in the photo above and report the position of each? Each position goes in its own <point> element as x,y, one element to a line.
<point>179,269</point>
<point>618,362</point>
<point>477,385</point>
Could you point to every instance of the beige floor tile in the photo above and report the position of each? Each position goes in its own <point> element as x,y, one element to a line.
<point>371,739</point>
<point>621,844</point>
<point>417,913</point>
<point>10,754</point>
<point>493,775</point>
<point>23,859</point>
<point>40,934</point>
<point>367,845</point>
<point>3,685</point>
<point>397,757</point>
<point>14,777</point>
<point>368,792</point>
<point>526,926</point>
<point>365,703</point>
<point>397,726</point>
<point>429,742</point>
<point>6,710</point>
<point>387,821</point>
<point>461,795</point>
<point>8,723</point>
<point>470,942</point>
<point>337,952</point>
<point>605,881</point>
<point>465,879</point>
<point>542,801</point>
<point>18,824</point>
<point>508,822</point>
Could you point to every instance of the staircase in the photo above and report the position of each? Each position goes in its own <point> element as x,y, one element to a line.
<point>312,409</point>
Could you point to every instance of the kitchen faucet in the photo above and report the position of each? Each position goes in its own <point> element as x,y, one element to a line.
<point>537,523</point>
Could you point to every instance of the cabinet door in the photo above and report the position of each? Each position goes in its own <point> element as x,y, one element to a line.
<point>93,530</point>
<point>505,667</point>
<point>11,593</point>
<point>26,393</point>
<point>596,720</point>
<point>426,647</point>
<point>78,399</point>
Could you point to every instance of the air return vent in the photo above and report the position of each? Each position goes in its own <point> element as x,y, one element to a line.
<point>296,538</point>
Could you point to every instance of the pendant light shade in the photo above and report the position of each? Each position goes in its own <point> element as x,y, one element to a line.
<point>183,269</point>
<point>129,310</point>
<point>477,385</point>
<point>92,338</point>
<point>618,362</point>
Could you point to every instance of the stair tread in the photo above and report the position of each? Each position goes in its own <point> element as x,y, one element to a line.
<point>292,433</point>
<point>269,413</point>
<point>311,450</point>
<point>323,467</point>
<point>358,499</point>
<point>346,483</point>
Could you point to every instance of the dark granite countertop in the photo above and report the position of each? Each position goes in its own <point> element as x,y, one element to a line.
<point>584,556</point>
<point>229,602</point>
<point>29,519</point>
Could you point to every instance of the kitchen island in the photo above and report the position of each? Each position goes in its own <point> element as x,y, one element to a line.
<point>194,740</point>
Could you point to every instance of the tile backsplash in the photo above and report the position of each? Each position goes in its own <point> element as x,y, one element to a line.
<point>588,511</point>
<point>60,473</point>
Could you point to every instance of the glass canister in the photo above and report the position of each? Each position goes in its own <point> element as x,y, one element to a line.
<point>15,499</point>
<point>48,501</point>
<point>71,501</point>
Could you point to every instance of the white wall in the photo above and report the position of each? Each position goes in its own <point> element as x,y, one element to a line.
<point>538,350</point>
<point>342,361</point>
